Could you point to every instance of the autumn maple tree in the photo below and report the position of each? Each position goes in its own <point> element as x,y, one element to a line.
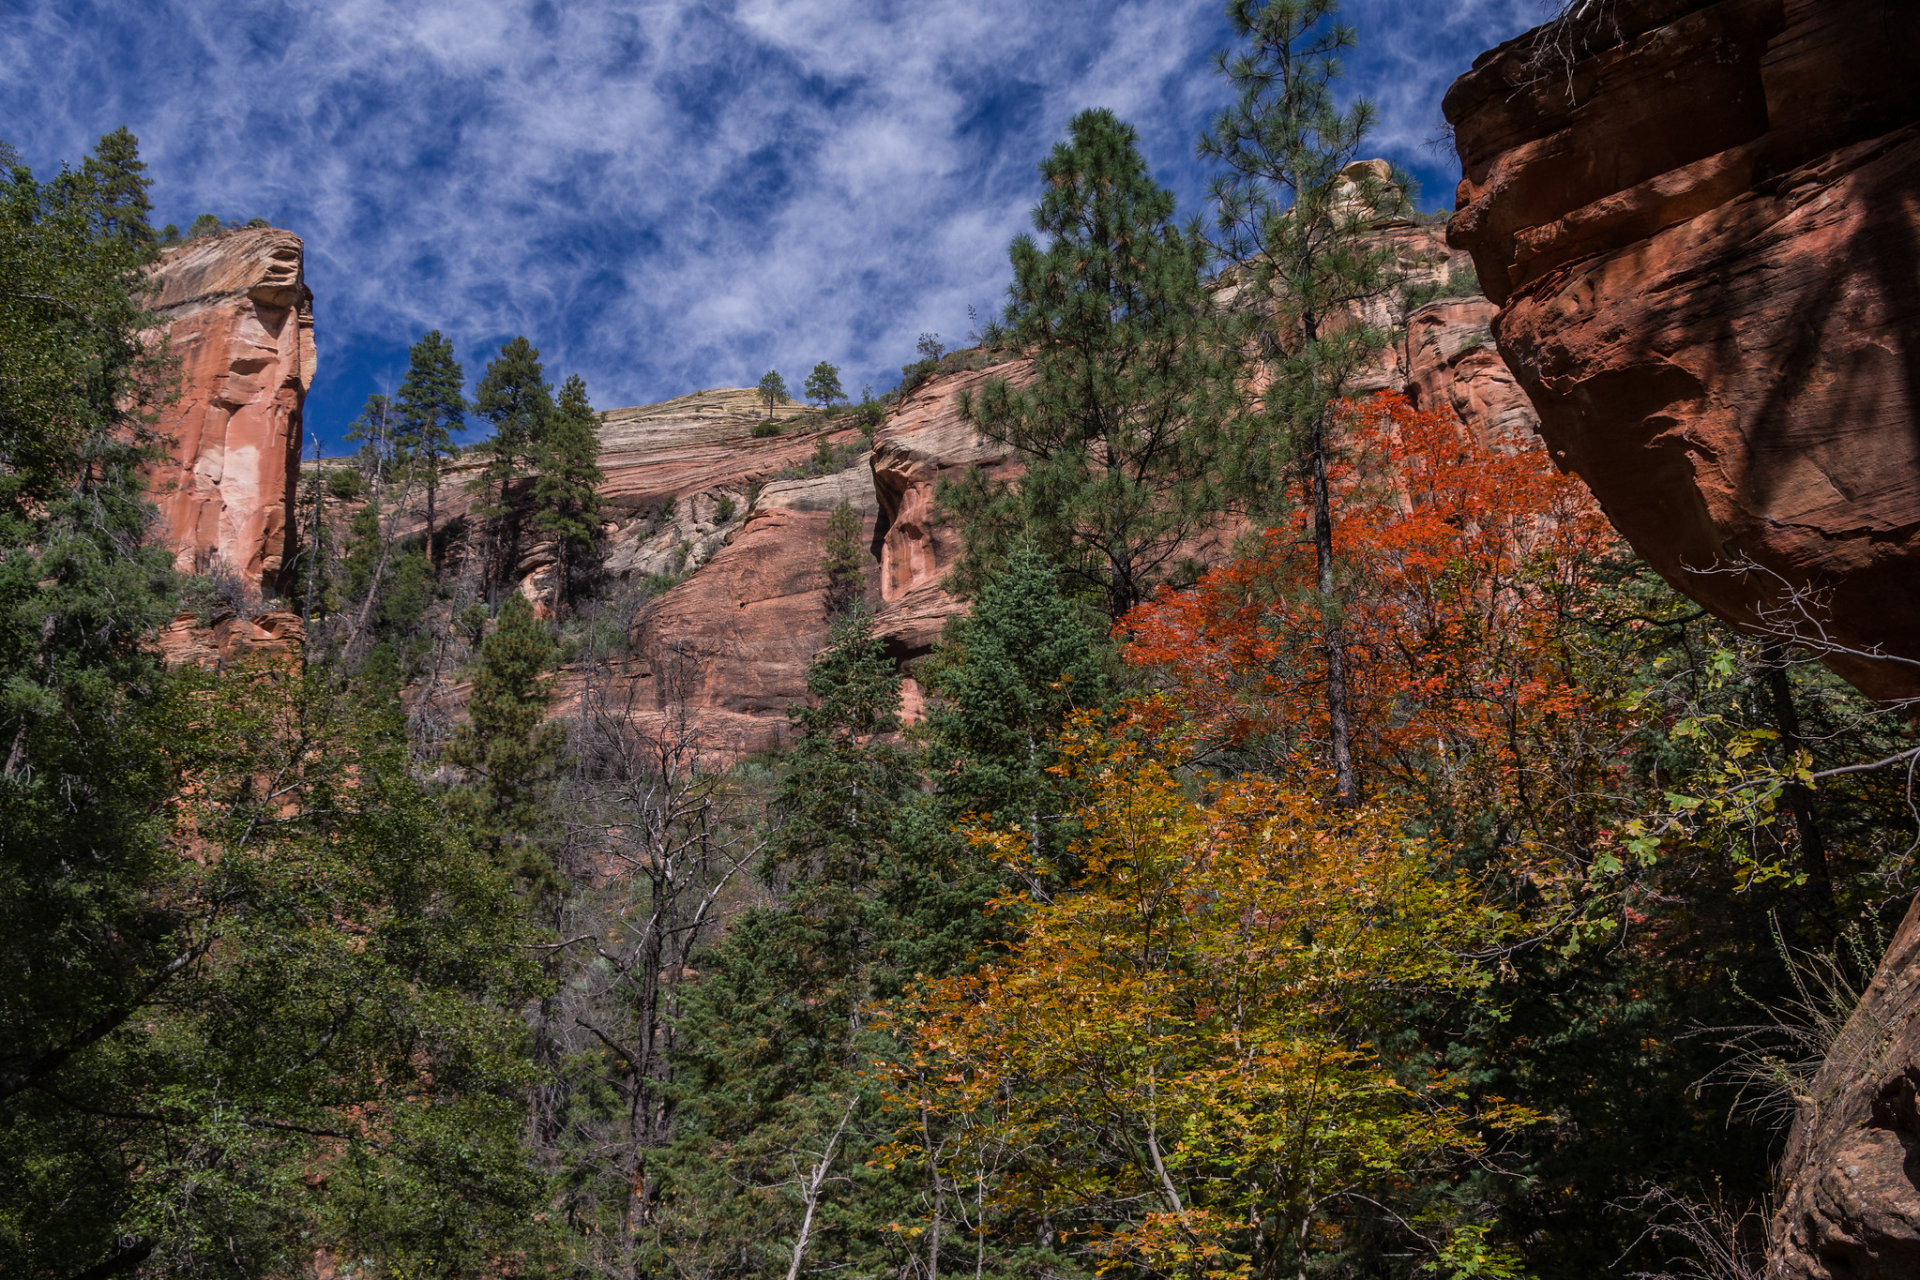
<point>1177,1064</point>
<point>1464,566</point>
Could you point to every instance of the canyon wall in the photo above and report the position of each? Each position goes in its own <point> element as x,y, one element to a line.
<point>723,530</point>
<point>1701,223</point>
<point>239,319</point>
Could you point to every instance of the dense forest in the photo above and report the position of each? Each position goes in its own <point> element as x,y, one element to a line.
<point>1419,887</point>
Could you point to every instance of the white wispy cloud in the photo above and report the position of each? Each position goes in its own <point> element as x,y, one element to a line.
<point>662,194</point>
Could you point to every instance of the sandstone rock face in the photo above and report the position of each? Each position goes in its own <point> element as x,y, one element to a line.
<point>1452,364</point>
<point>1850,1179</point>
<point>923,442</point>
<point>227,639</point>
<point>1702,230</point>
<point>679,479</point>
<point>730,646</point>
<point>240,320</point>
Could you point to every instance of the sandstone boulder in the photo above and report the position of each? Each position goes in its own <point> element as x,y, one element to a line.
<point>1699,221</point>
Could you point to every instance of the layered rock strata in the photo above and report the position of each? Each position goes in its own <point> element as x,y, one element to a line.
<point>226,639</point>
<point>1700,224</point>
<point>239,319</point>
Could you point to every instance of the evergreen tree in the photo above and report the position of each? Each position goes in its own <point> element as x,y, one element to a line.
<point>843,560</point>
<point>509,749</point>
<point>773,390</point>
<point>1004,680</point>
<point>515,397</point>
<point>376,431</point>
<point>117,175</point>
<point>1297,225</point>
<point>566,496</point>
<point>1128,382</point>
<point>361,564</point>
<point>432,407</point>
<point>210,983</point>
<point>779,1033</point>
<point>823,385</point>
<point>71,327</point>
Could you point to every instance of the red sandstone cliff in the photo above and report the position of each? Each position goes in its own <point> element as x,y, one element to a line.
<point>1703,231</point>
<point>240,321</point>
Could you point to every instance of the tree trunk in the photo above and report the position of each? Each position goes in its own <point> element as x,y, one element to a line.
<point>1813,844</point>
<point>1332,633</point>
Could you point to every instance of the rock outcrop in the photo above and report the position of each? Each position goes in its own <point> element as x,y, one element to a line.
<point>240,321</point>
<point>729,647</point>
<point>1850,1178</point>
<point>1700,222</point>
<point>226,638</point>
<point>925,441</point>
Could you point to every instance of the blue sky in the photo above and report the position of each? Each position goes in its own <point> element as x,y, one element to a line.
<point>663,195</point>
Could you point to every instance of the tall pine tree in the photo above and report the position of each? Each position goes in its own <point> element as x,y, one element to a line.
<point>516,399</point>
<point>1128,379</point>
<point>510,751</point>
<point>1296,223</point>
<point>431,408</point>
<point>566,496</point>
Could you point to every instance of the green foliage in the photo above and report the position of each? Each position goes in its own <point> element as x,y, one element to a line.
<point>823,385</point>
<point>432,407</point>
<point>374,430</point>
<point>259,997</point>
<point>515,398</point>
<point>1298,229</point>
<point>509,750</point>
<point>723,508</point>
<point>72,330</point>
<point>344,484</point>
<point>207,224</point>
<point>1128,375</point>
<point>765,430</point>
<point>779,1032</point>
<point>1004,680</point>
<point>844,561</point>
<point>342,956</point>
<point>566,495</point>
<point>773,390</point>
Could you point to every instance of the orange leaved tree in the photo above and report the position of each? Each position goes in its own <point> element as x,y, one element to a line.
<point>1463,571</point>
<point>1176,1068</point>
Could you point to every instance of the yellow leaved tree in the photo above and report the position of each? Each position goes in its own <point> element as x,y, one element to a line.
<point>1175,1071</point>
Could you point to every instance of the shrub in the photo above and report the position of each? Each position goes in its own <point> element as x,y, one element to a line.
<point>761,430</point>
<point>345,484</point>
<point>723,509</point>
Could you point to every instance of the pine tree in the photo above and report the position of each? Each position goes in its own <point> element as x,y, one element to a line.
<point>1297,227</point>
<point>509,749</point>
<point>118,178</point>
<point>773,390</point>
<point>431,408</point>
<point>823,385</point>
<point>566,496</point>
<point>779,1033</point>
<point>1127,383</point>
<point>843,560</point>
<point>1003,683</point>
<point>515,397</point>
<point>210,982</point>
<point>375,430</point>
